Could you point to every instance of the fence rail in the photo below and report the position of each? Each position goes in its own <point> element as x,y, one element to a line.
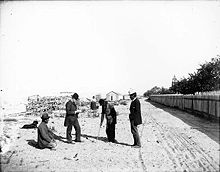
<point>205,105</point>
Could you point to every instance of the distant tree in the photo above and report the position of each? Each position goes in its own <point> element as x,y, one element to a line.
<point>206,78</point>
<point>166,91</point>
<point>157,90</point>
<point>154,90</point>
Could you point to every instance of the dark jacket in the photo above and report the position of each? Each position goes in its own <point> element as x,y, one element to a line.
<point>70,113</point>
<point>109,111</point>
<point>93,105</point>
<point>45,135</point>
<point>135,112</point>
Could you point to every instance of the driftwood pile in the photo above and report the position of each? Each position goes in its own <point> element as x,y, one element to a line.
<point>45,104</point>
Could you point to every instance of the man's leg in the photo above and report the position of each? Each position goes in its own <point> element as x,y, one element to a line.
<point>135,134</point>
<point>112,133</point>
<point>77,129</point>
<point>108,132</point>
<point>68,133</point>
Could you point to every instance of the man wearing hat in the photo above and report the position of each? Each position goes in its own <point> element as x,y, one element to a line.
<point>71,119</point>
<point>135,117</point>
<point>109,112</point>
<point>45,135</point>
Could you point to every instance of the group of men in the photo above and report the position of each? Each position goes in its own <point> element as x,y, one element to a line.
<point>46,136</point>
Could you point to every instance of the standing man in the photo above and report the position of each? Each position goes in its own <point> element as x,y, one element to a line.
<point>109,112</point>
<point>93,106</point>
<point>71,119</point>
<point>45,138</point>
<point>135,118</point>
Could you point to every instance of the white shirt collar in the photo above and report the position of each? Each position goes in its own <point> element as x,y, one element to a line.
<point>134,99</point>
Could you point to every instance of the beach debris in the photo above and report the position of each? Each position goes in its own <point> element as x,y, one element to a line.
<point>4,143</point>
<point>30,126</point>
<point>37,104</point>
<point>21,162</point>
<point>75,155</point>
<point>5,158</point>
<point>10,120</point>
<point>44,160</point>
<point>54,105</point>
<point>67,158</point>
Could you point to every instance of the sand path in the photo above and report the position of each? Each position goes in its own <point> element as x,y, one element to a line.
<point>171,141</point>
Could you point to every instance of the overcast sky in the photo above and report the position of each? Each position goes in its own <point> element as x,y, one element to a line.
<point>97,47</point>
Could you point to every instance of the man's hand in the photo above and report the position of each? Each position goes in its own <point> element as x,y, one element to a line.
<point>78,111</point>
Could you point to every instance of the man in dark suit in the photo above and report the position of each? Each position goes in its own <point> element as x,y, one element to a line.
<point>135,118</point>
<point>45,135</point>
<point>71,119</point>
<point>93,106</point>
<point>110,114</point>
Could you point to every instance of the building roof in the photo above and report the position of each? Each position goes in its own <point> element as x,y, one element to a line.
<point>113,92</point>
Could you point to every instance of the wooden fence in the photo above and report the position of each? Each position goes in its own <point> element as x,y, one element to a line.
<point>205,105</point>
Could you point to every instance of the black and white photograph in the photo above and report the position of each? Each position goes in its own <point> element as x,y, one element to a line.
<point>109,86</point>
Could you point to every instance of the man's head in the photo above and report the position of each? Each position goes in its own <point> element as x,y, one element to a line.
<point>101,102</point>
<point>132,93</point>
<point>45,117</point>
<point>75,96</point>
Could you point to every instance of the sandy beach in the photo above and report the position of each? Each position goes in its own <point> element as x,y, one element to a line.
<point>171,141</point>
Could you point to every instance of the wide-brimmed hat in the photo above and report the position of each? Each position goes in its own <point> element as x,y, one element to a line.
<point>45,116</point>
<point>75,96</point>
<point>131,91</point>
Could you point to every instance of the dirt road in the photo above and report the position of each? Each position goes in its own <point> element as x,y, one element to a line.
<point>171,141</point>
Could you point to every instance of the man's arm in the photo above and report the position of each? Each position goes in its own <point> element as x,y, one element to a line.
<point>138,107</point>
<point>102,118</point>
<point>51,134</point>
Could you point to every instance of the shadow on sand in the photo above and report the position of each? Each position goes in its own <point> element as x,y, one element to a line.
<point>88,137</point>
<point>104,139</point>
<point>202,124</point>
<point>34,144</point>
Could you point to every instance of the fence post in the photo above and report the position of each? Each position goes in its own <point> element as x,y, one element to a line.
<point>192,105</point>
<point>209,116</point>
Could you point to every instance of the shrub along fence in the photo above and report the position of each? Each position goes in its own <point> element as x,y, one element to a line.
<point>204,105</point>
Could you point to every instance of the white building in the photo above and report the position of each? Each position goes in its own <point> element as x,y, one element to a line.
<point>113,96</point>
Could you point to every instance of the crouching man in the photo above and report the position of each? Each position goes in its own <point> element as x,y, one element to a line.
<point>45,135</point>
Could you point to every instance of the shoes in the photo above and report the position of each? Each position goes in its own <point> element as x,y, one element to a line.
<point>136,146</point>
<point>115,141</point>
<point>70,142</point>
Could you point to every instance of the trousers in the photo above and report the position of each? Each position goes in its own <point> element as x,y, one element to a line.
<point>134,131</point>
<point>110,131</point>
<point>73,122</point>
